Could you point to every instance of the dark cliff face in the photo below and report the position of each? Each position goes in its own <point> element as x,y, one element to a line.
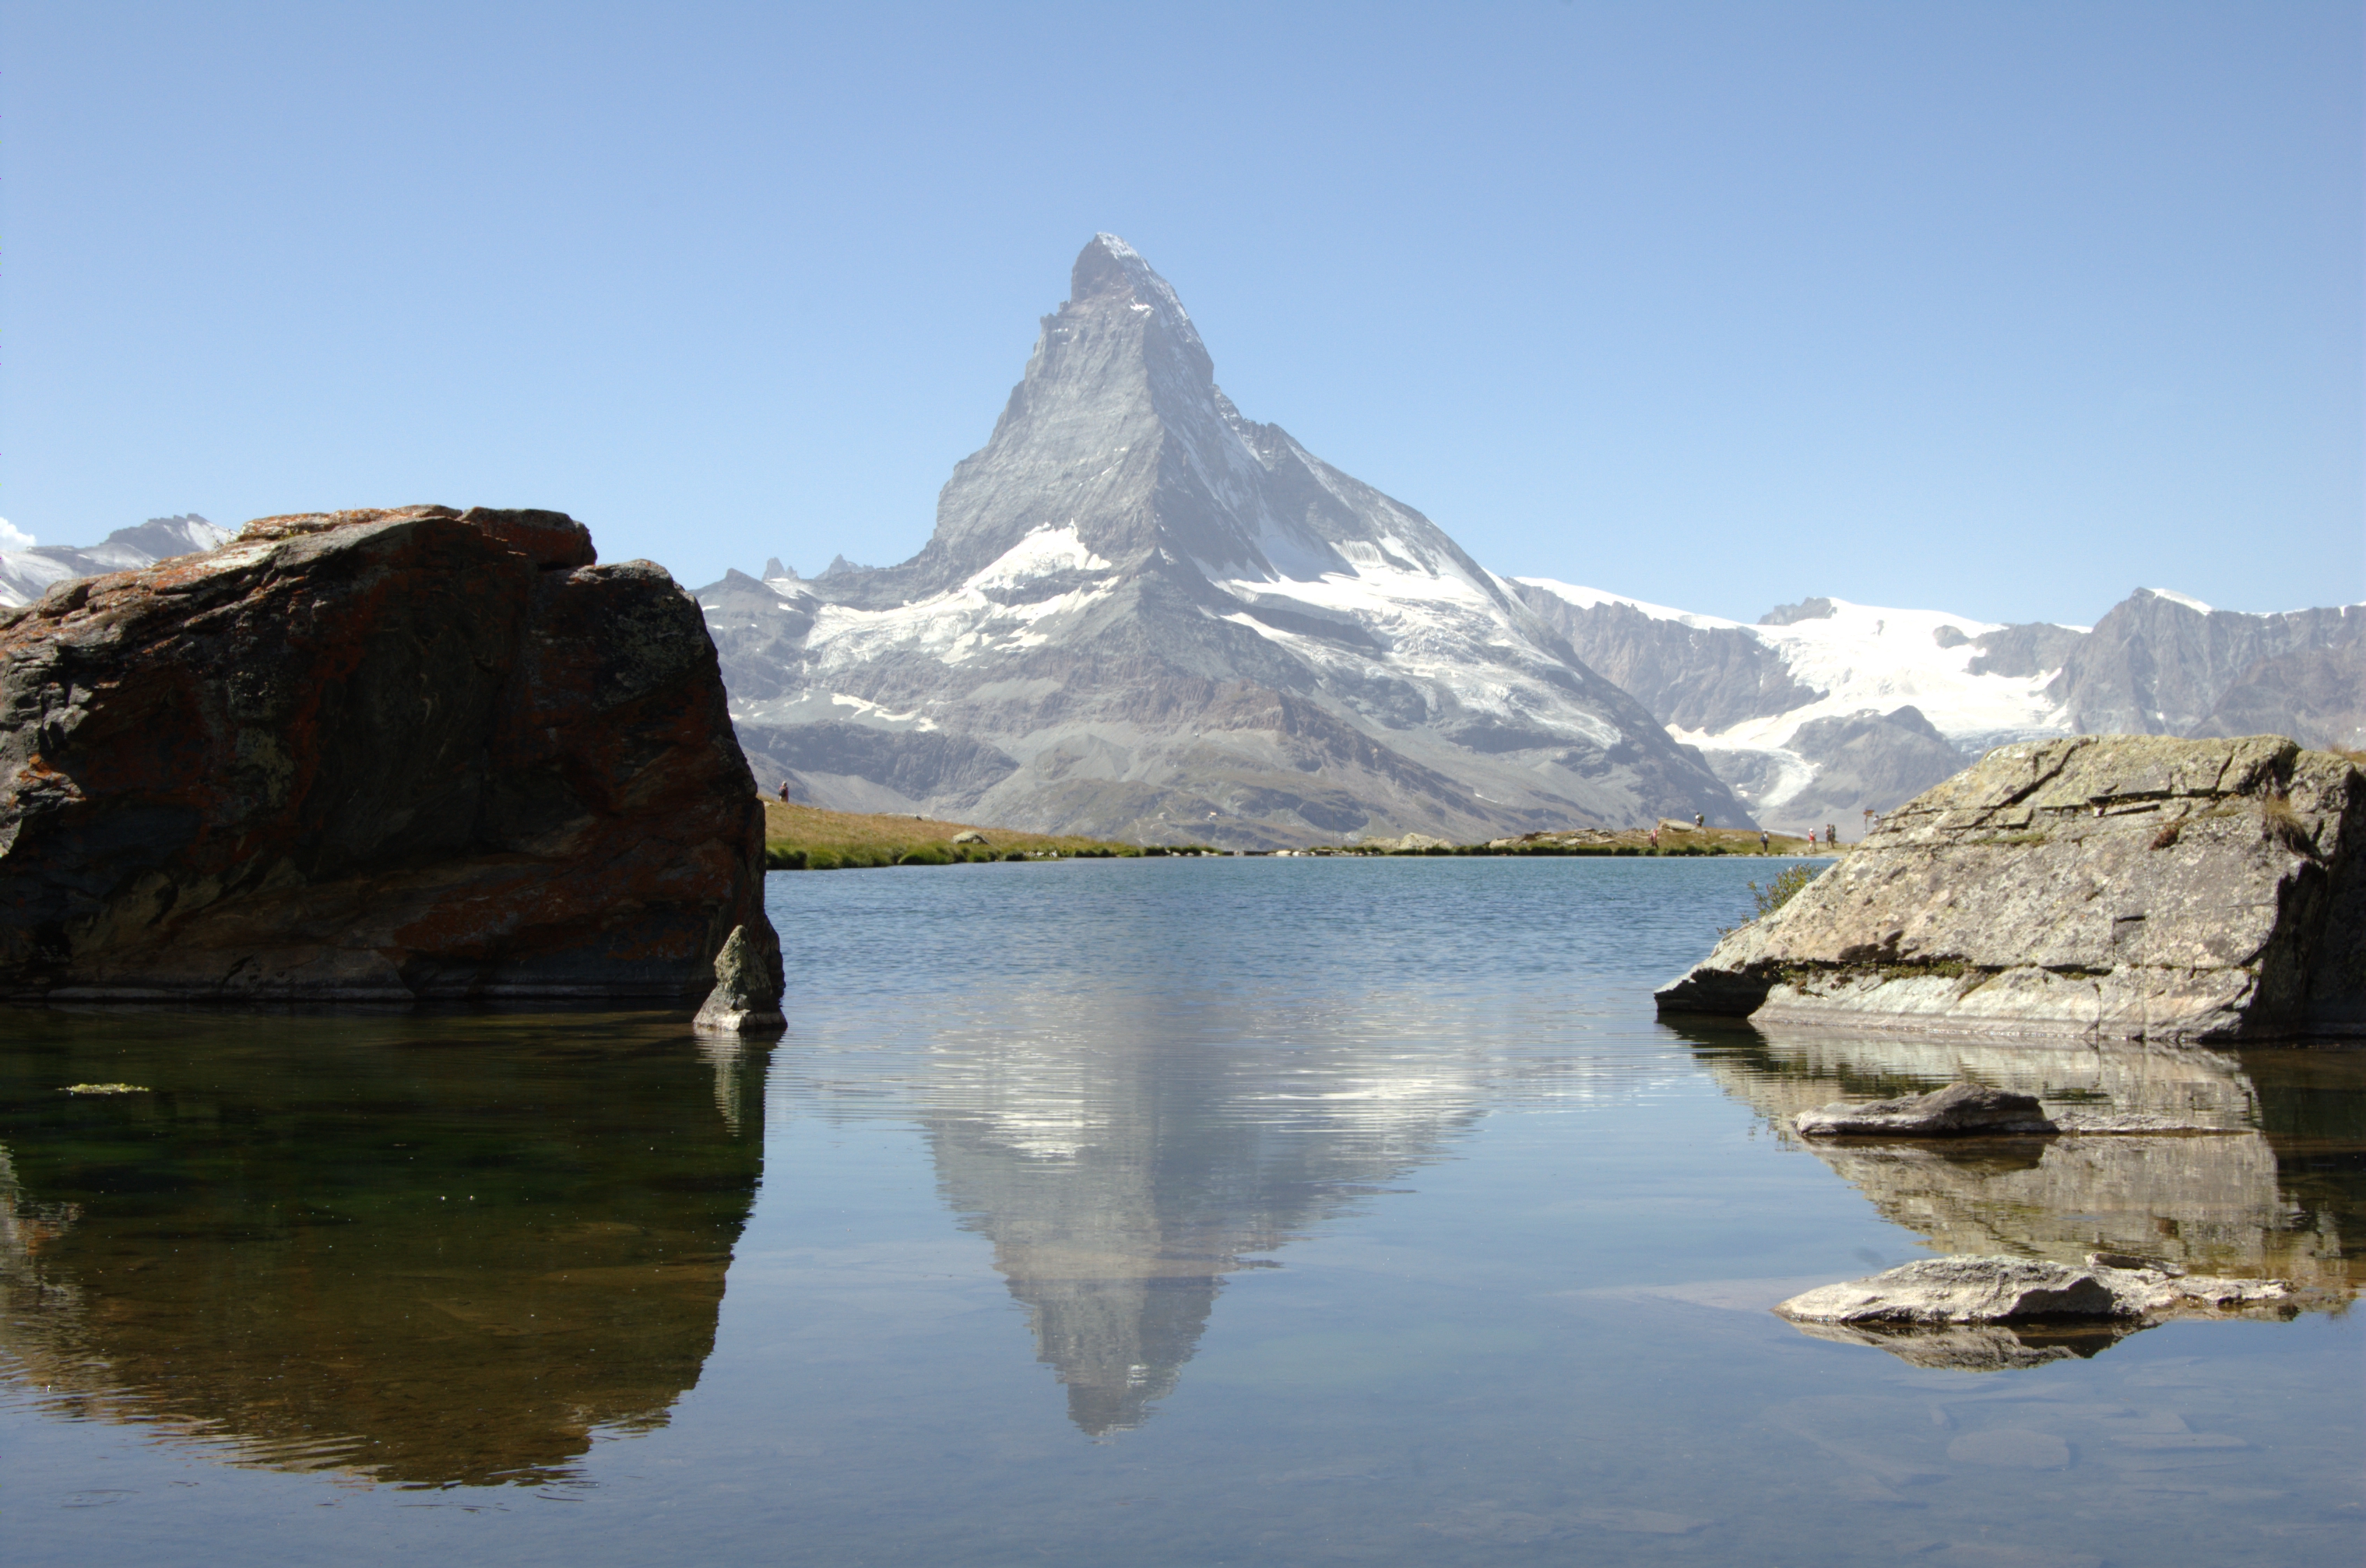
<point>372,755</point>
<point>1143,615</point>
<point>2159,665</point>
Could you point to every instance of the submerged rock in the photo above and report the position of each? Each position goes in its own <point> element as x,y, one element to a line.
<point>2136,887</point>
<point>1956,1291</point>
<point>1959,1110</point>
<point>1972,1110</point>
<point>373,756</point>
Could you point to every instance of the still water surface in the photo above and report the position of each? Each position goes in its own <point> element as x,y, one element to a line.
<point>1148,1211</point>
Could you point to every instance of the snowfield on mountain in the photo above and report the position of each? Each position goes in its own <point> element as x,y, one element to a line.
<point>1143,615</point>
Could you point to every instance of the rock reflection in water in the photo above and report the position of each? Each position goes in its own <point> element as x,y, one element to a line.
<point>2276,1192</point>
<point>1979,1347</point>
<point>1122,1165</point>
<point>2221,1202</point>
<point>432,1253</point>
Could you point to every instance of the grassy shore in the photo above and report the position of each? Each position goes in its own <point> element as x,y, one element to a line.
<point>1669,838</point>
<point>806,838</point>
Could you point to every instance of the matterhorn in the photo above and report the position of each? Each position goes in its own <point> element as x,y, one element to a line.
<point>1144,616</point>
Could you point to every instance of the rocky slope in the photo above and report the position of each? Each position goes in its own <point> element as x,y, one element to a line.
<point>2163,664</point>
<point>1143,615</point>
<point>373,756</point>
<point>27,574</point>
<point>1824,710</point>
<point>2117,886</point>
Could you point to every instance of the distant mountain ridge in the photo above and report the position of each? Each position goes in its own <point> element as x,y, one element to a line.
<point>1825,708</point>
<point>1143,615</point>
<point>27,574</point>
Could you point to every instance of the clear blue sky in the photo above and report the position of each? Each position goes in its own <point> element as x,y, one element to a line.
<point>2000,308</point>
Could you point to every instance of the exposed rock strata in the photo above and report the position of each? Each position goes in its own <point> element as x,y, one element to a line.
<point>373,756</point>
<point>2120,886</point>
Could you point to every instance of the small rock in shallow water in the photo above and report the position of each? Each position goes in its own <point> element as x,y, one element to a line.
<point>747,985</point>
<point>1956,1110</point>
<point>1947,1292</point>
<point>1960,1290</point>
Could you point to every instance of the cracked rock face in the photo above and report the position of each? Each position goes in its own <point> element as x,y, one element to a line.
<point>2135,887</point>
<point>373,756</point>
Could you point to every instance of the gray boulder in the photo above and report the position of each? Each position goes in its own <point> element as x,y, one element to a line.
<point>747,992</point>
<point>2137,887</point>
<point>1948,1292</point>
<point>1959,1290</point>
<point>1957,1110</point>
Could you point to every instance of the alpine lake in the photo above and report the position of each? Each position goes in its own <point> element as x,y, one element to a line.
<point>1145,1211</point>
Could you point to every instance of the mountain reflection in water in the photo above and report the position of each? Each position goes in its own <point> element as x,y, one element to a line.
<point>430,1251</point>
<point>2277,1190</point>
<point>1123,1163</point>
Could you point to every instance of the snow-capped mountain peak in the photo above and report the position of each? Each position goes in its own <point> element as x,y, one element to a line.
<point>25,574</point>
<point>1824,708</point>
<point>1145,614</point>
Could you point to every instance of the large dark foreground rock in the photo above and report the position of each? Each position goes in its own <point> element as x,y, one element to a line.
<point>374,756</point>
<point>2132,887</point>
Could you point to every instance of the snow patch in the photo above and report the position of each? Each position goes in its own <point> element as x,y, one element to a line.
<point>872,710</point>
<point>1040,554</point>
<point>1587,598</point>
<point>2176,598</point>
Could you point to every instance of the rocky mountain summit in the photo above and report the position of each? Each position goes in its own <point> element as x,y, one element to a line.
<point>2115,886</point>
<point>1143,615</point>
<point>1825,708</point>
<point>27,574</point>
<point>377,756</point>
